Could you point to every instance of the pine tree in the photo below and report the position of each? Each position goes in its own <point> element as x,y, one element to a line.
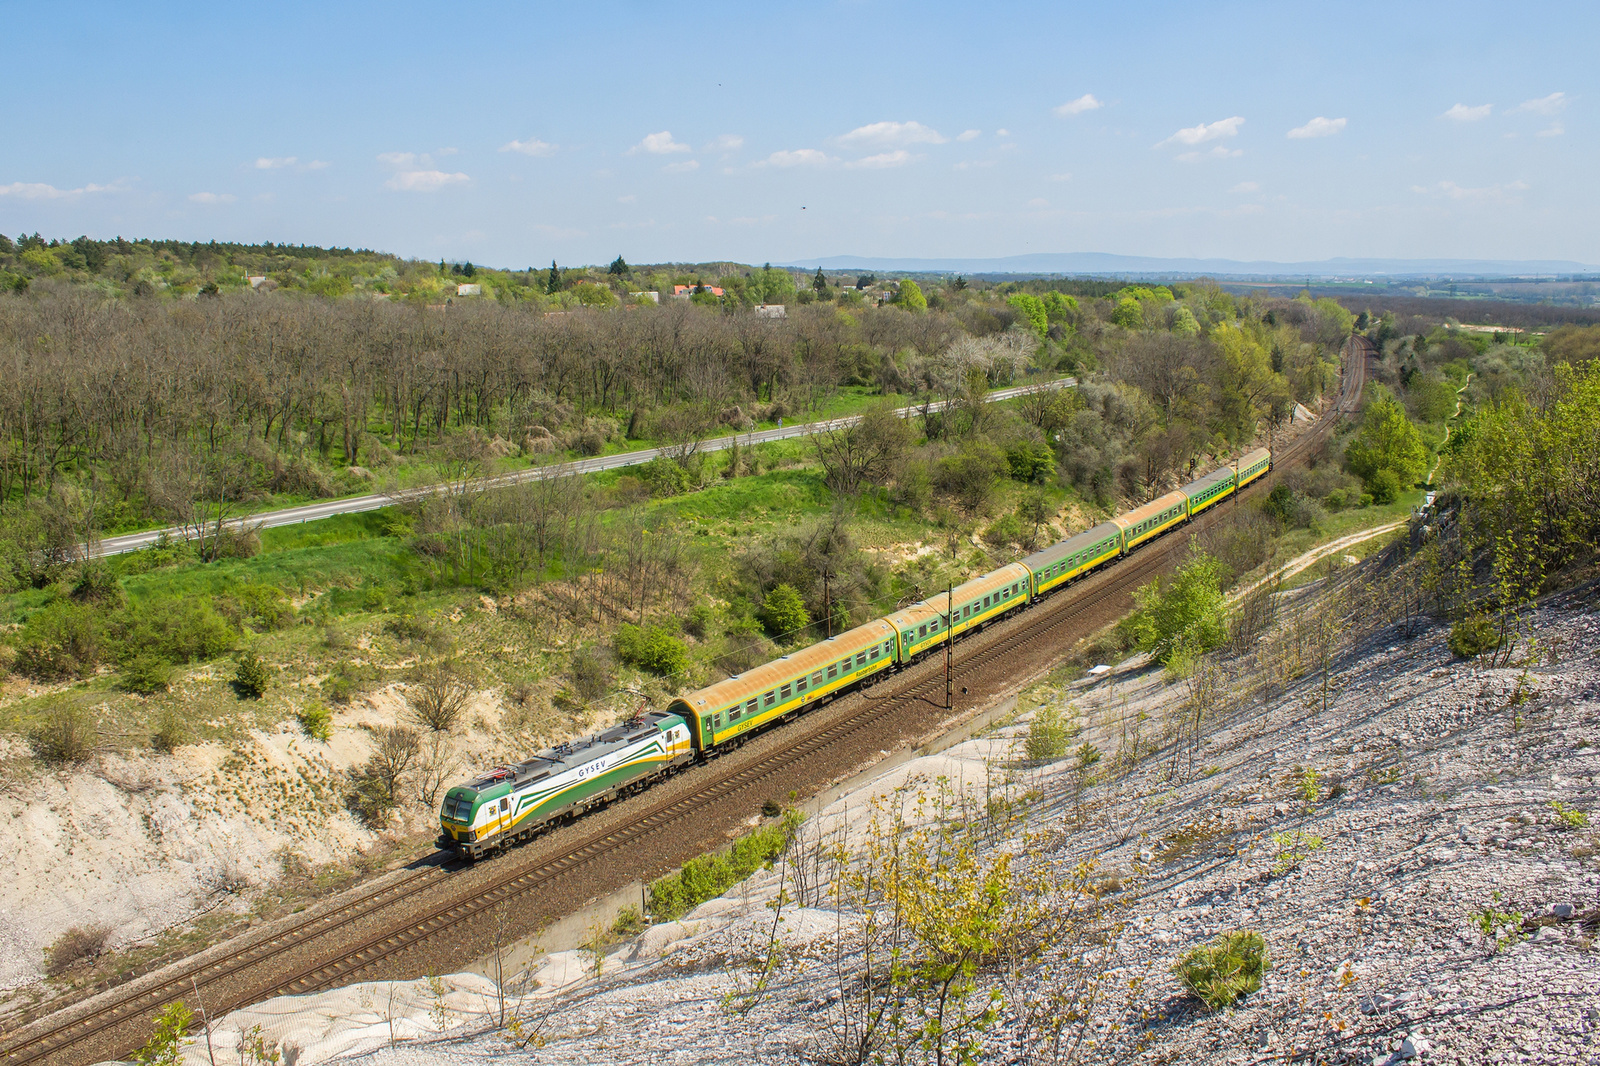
<point>820,283</point>
<point>619,266</point>
<point>553,285</point>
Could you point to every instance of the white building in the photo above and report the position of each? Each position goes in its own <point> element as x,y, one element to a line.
<point>469,289</point>
<point>772,311</point>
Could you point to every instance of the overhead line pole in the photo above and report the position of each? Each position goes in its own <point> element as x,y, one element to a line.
<point>949,649</point>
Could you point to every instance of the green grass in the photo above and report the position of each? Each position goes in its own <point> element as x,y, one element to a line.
<point>341,529</point>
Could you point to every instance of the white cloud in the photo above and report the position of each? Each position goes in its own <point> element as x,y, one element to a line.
<point>659,144</point>
<point>1002,133</point>
<point>1247,186</point>
<point>891,135</point>
<point>1038,201</point>
<point>969,135</point>
<point>728,142</point>
<point>424,180</point>
<point>1065,175</point>
<point>974,164</point>
<point>1451,191</point>
<point>211,198</point>
<point>628,199</point>
<point>1556,129</point>
<point>531,146</point>
<point>1463,113</point>
<point>883,160</point>
<point>38,190</point>
<point>1318,127</point>
<point>1545,105</point>
<point>398,159</point>
<point>799,157</point>
<point>285,162</point>
<point>1086,102</point>
<point>1213,131</point>
<point>682,168</point>
<point>1218,152</point>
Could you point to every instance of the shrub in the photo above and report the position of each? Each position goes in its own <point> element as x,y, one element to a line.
<point>171,732</point>
<point>262,606</point>
<point>165,1047</point>
<point>75,945</point>
<point>591,673</point>
<point>146,674</point>
<point>65,736</point>
<point>1031,462</point>
<point>1473,635</point>
<point>412,628</point>
<point>699,619</point>
<point>439,694</point>
<point>1229,967</point>
<point>784,613</point>
<point>652,648</point>
<point>62,640</point>
<point>1008,530</point>
<point>251,677</point>
<point>708,876</point>
<point>349,679</point>
<point>98,586</point>
<point>1190,613</point>
<point>1385,486</point>
<point>1048,734</point>
<point>180,631</point>
<point>316,721</point>
<point>665,477</point>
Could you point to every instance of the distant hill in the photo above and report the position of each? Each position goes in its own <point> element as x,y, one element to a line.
<point>1107,263</point>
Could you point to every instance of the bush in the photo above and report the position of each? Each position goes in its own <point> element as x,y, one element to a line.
<point>180,631</point>
<point>411,628</point>
<point>316,721</point>
<point>348,680</point>
<point>783,612</point>
<point>665,477</point>
<point>251,677</point>
<point>98,586</point>
<point>591,673</point>
<point>1474,635</point>
<point>65,736</point>
<point>1190,611</point>
<point>708,876</point>
<point>1048,734</point>
<point>1229,967</point>
<point>146,674</point>
<point>171,732</point>
<point>699,619</point>
<point>75,945</point>
<point>652,648</point>
<point>62,640</point>
<point>1008,530</point>
<point>261,606</point>
<point>1031,462</point>
<point>1385,487</point>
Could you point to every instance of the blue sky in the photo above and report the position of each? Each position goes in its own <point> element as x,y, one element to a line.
<point>753,132</point>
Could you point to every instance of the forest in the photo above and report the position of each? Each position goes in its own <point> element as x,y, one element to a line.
<point>123,410</point>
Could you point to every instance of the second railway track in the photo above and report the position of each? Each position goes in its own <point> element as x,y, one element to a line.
<point>90,1030</point>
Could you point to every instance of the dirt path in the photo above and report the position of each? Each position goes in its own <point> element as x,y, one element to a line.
<point>1439,455</point>
<point>1300,562</point>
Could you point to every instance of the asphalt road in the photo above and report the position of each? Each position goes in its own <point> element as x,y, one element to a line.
<point>356,504</point>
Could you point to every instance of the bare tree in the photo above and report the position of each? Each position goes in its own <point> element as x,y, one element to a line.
<point>867,452</point>
<point>439,692</point>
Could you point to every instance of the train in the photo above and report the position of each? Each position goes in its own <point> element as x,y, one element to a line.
<point>509,804</point>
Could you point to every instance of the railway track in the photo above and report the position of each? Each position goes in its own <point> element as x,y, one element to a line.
<point>55,1037</point>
